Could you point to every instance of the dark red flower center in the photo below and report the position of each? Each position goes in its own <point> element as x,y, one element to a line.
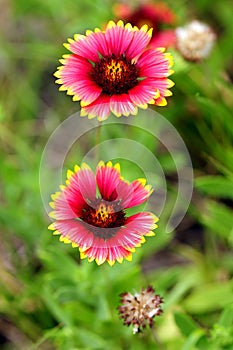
<point>115,75</point>
<point>104,215</point>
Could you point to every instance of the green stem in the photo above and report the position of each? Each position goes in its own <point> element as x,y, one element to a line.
<point>97,142</point>
<point>157,341</point>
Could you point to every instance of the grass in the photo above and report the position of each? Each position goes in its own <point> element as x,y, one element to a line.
<point>51,300</point>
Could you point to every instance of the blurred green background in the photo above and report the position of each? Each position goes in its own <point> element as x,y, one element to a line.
<point>48,298</point>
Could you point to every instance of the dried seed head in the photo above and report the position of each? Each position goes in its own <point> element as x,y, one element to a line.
<point>140,309</point>
<point>195,40</point>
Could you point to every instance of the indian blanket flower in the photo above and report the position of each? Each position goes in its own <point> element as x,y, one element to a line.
<point>139,309</point>
<point>157,15</point>
<point>113,71</point>
<point>90,213</point>
<point>165,38</point>
<point>195,40</point>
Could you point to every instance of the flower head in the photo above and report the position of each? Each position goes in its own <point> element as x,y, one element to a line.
<point>113,71</point>
<point>195,40</point>
<point>164,38</point>
<point>153,14</point>
<point>156,15</point>
<point>140,309</point>
<point>90,213</point>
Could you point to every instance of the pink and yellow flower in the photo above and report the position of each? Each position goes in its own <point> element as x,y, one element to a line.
<point>164,38</point>
<point>157,15</point>
<point>90,213</point>
<point>114,71</point>
<point>152,13</point>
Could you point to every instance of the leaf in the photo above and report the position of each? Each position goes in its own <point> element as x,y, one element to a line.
<point>103,309</point>
<point>181,288</point>
<point>91,339</point>
<point>226,318</point>
<point>54,306</point>
<point>190,330</point>
<point>218,218</point>
<point>222,331</point>
<point>209,297</point>
<point>193,339</point>
<point>211,109</point>
<point>218,186</point>
<point>185,323</point>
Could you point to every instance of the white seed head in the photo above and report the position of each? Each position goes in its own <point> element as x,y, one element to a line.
<point>140,309</point>
<point>195,40</point>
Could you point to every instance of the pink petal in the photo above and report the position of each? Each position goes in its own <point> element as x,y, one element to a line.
<point>153,63</point>
<point>74,69</point>
<point>139,42</point>
<point>140,223</point>
<point>66,208</point>
<point>124,193</point>
<point>118,39</point>
<point>127,238</point>
<point>107,179</point>
<point>97,251</point>
<point>87,90</point>
<point>163,85</point>
<point>132,194</point>
<point>144,92</point>
<point>161,101</point>
<point>74,199</point>
<point>122,105</point>
<point>85,47</point>
<point>75,231</point>
<point>101,253</point>
<point>165,38</point>
<point>84,182</point>
<point>76,63</point>
<point>90,46</point>
<point>75,76</point>
<point>99,42</point>
<point>140,194</point>
<point>117,253</point>
<point>100,108</point>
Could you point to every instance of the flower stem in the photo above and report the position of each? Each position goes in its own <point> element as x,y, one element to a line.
<point>97,142</point>
<point>157,341</point>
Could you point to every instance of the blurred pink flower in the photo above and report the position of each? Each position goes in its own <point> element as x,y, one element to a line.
<point>113,71</point>
<point>156,15</point>
<point>98,224</point>
<point>165,38</point>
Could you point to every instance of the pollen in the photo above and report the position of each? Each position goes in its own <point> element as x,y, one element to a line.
<point>104,217</point>
<point>103,213</point>
<point>116,75</point>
